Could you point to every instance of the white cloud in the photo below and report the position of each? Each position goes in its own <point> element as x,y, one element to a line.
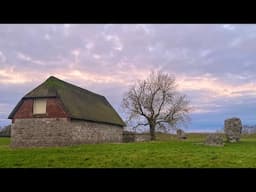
<point>146,28</point>
<point>235,42</point>
<point>67,30</point>
<point>2,57</point>
<point>215,87</point>
<point>67,25</point>
<point>205,53</point>
<point>47,36</point>
<point>76,52</point>
<point>23,57</point>
<point>11,76</point>
<point>96,56</point>
<point>89,45</point>
<point>116,41</point>
<point>229,27</point>
<point>124,78</point>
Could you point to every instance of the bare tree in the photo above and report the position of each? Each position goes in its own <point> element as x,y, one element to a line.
<point>249,129</point>
<point>154,102</point>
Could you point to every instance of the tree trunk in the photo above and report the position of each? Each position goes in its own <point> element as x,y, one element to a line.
<point>152,132</point>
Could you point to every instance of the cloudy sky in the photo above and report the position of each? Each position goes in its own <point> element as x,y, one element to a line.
<point>214,65</point>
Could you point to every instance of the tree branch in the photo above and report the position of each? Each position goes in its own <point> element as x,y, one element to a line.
<point>160,107</point>
<point>152,101</point>
<point>139,124</point>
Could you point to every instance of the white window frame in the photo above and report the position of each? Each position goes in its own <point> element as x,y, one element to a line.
<point>39,106</point>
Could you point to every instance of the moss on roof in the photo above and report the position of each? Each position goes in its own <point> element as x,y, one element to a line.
<point>78,102</point>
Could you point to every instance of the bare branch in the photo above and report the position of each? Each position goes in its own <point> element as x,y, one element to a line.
<point>161,104</point>
<point>141,124</point>
<point>157,101</point>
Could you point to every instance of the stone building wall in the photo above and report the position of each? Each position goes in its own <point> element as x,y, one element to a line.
<point>40,132</point>
<point>90,132</point>
<point>61,132</point>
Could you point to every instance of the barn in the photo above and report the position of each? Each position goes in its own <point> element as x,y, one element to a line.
<point>58,113</point>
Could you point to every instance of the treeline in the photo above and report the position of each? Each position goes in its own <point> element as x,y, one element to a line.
<point>6,131</point>
<point>249,129</point>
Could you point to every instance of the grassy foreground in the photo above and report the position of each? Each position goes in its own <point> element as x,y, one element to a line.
<point>167,153</point>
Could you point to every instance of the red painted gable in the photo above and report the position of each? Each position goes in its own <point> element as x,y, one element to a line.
<point>54,109</point>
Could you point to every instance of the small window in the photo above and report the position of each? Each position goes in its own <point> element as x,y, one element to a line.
<point>39,106</point>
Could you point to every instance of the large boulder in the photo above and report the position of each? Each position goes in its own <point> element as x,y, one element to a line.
<point>233,129</point>
<point>214,140</point>
<point>181,134</point>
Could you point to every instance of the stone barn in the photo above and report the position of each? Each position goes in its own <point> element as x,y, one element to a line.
<point>57,113</point>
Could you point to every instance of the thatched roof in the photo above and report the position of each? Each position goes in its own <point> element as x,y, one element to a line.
<point>79,103</point>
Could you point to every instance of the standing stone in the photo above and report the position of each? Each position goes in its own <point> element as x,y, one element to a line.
<point>181,134</point>
<point>233,129</point>
<point>214,140</point>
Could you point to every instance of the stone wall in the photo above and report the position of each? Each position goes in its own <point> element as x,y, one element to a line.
<point>142,137</point>
<point>60,132</point>
<point>90,132</point>
<point>128,137</point>
<point>135,137</point>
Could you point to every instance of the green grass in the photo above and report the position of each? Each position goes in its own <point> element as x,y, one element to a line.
<point>167,153</point>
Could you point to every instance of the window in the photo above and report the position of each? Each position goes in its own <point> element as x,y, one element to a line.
<point>39,106</point>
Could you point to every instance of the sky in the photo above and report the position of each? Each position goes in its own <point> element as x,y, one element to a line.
<point>214,64</point>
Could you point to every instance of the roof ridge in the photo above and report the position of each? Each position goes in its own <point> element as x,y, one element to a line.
<point>75,86</point>
<point>33,89</point>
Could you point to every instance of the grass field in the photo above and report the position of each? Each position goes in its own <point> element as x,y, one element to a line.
<point>167,153</point>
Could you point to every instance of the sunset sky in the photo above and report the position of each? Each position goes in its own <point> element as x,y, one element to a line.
<point>214,64</point>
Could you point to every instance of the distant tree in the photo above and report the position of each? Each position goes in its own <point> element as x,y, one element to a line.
<point>155,102</point>
<point>5,131</point>
<point>249,129</point>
